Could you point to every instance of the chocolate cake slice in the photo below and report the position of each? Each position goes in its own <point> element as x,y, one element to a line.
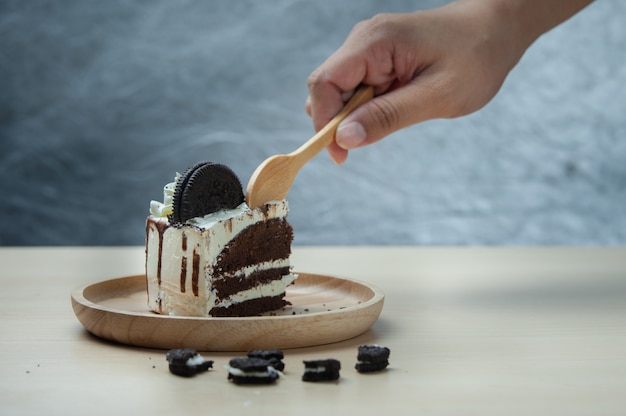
<point>209,254</point>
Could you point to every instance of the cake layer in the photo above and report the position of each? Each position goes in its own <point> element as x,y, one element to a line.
<point>262,242</point>
<point>251,307</point>
<point>227,285</point>
<point>266,290</point>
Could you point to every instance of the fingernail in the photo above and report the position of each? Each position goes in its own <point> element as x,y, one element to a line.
<point>350,135</point>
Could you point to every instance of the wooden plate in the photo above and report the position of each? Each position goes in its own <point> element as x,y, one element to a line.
<point>324,309</point>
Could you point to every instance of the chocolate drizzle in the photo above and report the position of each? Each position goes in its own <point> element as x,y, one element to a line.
<point>195,273</point>
<point>183,273</point>
<point>183,264</point>
<point>160,228</point>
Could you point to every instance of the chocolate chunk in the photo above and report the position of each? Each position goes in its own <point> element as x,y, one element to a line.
<point>203,189</point>
<point>321,370</point>
<point>186,362</point>
<point>252,371</point>
<point>372,358</point>
<point>273,356</point>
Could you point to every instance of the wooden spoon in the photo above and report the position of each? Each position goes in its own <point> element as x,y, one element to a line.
<point>273,178</point>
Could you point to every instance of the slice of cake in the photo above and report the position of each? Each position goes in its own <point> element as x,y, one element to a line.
<point>209,254</point>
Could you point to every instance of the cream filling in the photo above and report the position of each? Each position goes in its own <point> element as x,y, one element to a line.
<point>163,209</point>
<point>237,372</point>
<point>272,288</point>
<point>266,265</point>
<point>319,369</point>
<point>194,361</point>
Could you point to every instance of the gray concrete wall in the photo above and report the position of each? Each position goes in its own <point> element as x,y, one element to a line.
<point>102,101</point>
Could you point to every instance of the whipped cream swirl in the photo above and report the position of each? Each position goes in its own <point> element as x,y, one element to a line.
<point>165,208</point>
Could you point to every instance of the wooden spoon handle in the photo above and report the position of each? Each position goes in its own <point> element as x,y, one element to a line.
<point>326,135</point>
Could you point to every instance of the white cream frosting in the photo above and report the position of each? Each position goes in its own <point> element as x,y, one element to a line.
<point>213,218</point>
<point>163,209</point>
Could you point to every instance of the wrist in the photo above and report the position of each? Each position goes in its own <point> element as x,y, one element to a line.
<point>529,19</point>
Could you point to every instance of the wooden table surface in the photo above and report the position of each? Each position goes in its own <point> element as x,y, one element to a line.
<point>472,331</point>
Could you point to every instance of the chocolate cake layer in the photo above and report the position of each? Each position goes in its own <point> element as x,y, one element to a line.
<point>227,285</point>
<point>251,307</point>
<point>260,242</point>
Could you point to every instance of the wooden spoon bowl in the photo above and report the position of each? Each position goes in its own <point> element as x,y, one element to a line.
<point>273,178</point>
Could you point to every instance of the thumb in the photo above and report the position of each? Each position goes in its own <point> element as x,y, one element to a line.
<point>383,115</point>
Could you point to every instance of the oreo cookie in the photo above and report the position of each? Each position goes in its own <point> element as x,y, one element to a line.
<point>186,362</point>
<point>251,371</point>
<point>321,370</point>
<point>275,357</point>
<point>203,189</point>
<point>371,358</point>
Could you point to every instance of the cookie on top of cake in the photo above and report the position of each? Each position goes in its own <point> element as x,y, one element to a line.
<point>209,254</point>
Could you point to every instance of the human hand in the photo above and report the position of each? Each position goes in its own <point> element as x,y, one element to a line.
<point>441,63</point>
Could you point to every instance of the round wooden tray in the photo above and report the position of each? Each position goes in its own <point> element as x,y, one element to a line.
<point>324,309</point>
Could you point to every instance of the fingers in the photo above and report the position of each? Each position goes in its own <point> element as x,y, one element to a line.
<point>331,85</point>
<point>387,113</point>
<point>337,154</point>
<point>363,58</point>
<point>368,56</point>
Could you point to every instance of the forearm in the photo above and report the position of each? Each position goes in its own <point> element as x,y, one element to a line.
<point>529,19</point>
<point>509,27</point>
